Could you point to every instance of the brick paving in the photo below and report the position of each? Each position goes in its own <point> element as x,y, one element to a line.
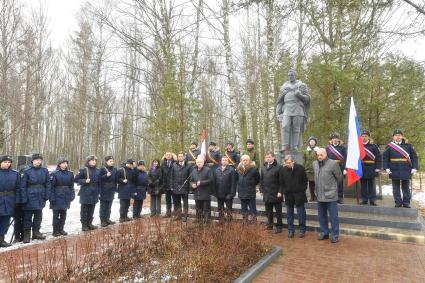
<point>353,259</point>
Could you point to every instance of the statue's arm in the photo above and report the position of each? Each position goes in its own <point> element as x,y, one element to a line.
<point>302,94</point>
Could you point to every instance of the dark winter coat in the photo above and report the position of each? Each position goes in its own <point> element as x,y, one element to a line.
<point>126,190</point>
<point>269,182</point>
<point>205,176</point>
<point>36,187</point>
<point>154,181</point>
<point>248,179</point>
<point>141,183</point>
<point>293,184</point>
<point>393,160</point>
<point>10,182</point>
<point>180,177</point>
<point>167,175</point>
<point>108,184</point>
<point>370,165</point>
<point>89,192</point>
<point>225,182</point>
<point>63,192</point>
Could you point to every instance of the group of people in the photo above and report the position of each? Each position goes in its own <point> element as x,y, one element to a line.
<point>24,195</point>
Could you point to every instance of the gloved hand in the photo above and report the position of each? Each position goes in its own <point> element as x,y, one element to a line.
<point>388,170</point>
<point>377,170</point>
<point>344,172</point>
<point>413,171</point>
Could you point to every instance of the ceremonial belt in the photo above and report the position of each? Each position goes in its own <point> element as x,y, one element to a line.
<point>193,156</point>
<point>399,160</point>
<point>212,158</point>
<point>370,154</point>
<point>337,154</point>
<point>368,161</point>
<point>400,150</point>
<point>61,187</point>
<point>232,162</point>
<point>7,193</point>
<point>36,187</point>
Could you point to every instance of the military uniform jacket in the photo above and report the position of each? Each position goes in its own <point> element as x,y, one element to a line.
<point>191,156</point>
<point>63,192</point>
<point>10,182</point>
<point>36,187</point>
<point>371,161</point>
<point>108,184</point>
<point>400,165</point>
<point>89,192</point>
<point>337,153</point>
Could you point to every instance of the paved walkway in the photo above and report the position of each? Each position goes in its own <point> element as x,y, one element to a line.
<point>353,259</point>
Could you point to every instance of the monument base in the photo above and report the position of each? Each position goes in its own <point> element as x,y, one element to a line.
<point>297,154</point>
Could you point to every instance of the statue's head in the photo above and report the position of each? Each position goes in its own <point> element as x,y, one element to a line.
<point>292,75</point>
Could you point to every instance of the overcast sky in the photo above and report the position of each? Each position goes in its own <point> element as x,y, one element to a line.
<point>62,14</point>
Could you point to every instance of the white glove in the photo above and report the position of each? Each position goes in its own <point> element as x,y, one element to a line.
<point>344,172</point>
<point>377,170</point>
<point>388,170</point>
<point>413,171</point>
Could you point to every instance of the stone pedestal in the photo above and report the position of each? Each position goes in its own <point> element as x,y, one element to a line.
<point>297,154</point>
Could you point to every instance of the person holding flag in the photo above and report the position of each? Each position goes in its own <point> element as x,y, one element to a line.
<point>193,153</point>
<point>400,162</point>
<point>232,154</point>
<point>337,152</point>
<point>371,165</point>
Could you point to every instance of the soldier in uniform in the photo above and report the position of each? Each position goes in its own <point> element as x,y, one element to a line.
<point>88,178</point>
<point>213,156</point>
<point>371,165</point>
<point>232,154</point>
<point>400,162</point>
<point>252,152</point>
<point>126,178</point>
<point>62,195</point>
<point>337,152</point>
<point>108,188</point>
<point>193,153</point>
<point>36,188</point>
<point>10,181</point>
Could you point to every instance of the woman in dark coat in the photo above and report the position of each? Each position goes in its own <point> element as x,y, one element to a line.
<point>62,195</point>
<point>293,181</point>
<point>89,180</point>
<point>141,183</point>
<point>126,178</point>
<point>155,187</point>
<point>248,179</point>
<point>201,183</point>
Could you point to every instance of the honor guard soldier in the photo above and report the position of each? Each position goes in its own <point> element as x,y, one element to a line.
<point>232,155</point>
<point>108,188</point>
<point>337,152</point>
<point>400,162</point>
<point>213,156</point>
<point>193,153</point>
<point>252,152</point>
<point>371,165</point>
<point>36,188</point>
<point>10,181</point>
<point>126,188</point>
<point>62,195</point>
<point>89,180</point>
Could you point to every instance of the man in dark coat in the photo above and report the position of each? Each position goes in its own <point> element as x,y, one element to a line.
<point>213,156</point>
<point>89,180</point>
<point>232,154</point>
<point>126,178</point>
<point>225,188</point>
<point>400,162</point>
<point>167,168</point>
<point>201,182</point>
<point>248,179</point>
<point>10,182</point>
<point>141,183</point>
<point>293,180</point>
<point>36,188</point>
<point>180,184</point>
<point>192,154</point>
<point>108,188</point>
<point>62,195</point>
<point>272,192</point>
<point>371,165</point>
<point>337,152</point>
<point>155,187</point>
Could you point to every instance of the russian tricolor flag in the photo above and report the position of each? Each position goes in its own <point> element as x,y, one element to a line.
<point>355,150</point>
<point>203,142</point>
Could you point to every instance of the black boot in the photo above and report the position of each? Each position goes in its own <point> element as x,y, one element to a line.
<point>61,230</point>
<point>85,227</point>
<point>91,226</point>
<point>36,235</point>
<point>56,232</point>
<point>3,243</point>
<point>103,223</point>
<point>110,222</point>
<point>27,236</point>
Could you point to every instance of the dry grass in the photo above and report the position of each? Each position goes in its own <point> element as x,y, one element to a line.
<point>145,251</point>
